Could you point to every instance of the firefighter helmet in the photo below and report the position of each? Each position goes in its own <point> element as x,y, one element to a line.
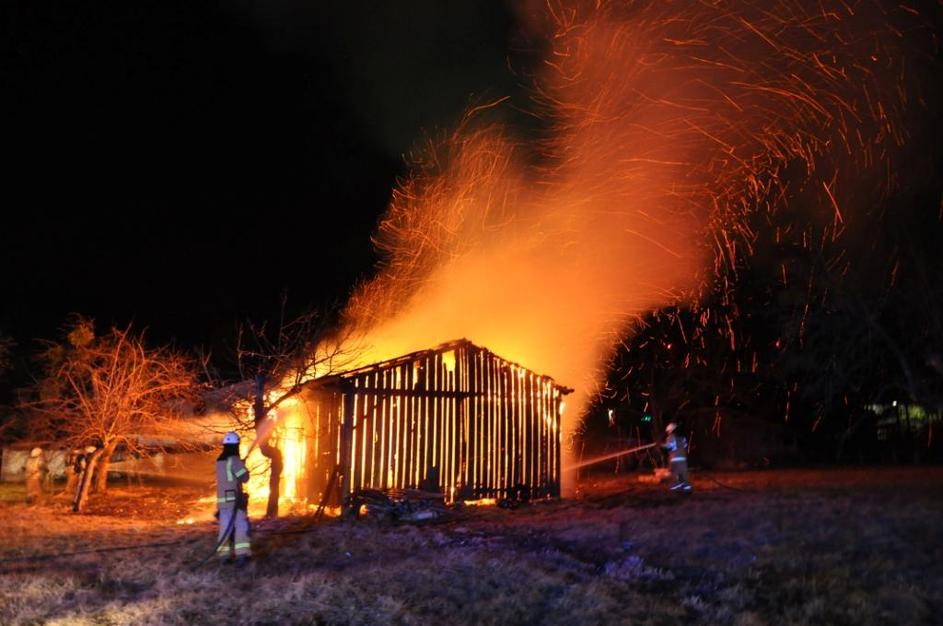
<point>670,428</point>
<point>90,449</point>
<point>229,438</point>
<point>35,452</point>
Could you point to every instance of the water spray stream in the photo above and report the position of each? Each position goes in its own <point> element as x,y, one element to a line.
<point>175,476</point>
<point>606,457</point>
<point>261,434</point>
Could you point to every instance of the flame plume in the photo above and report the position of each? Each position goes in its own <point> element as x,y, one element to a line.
<point>669,122</point>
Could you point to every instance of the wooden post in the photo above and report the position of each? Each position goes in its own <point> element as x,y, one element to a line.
<point>458,417</point>
<point>558,471</point>
<point>345,440</point>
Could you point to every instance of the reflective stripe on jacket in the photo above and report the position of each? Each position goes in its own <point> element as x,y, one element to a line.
<point>230,474</point>
<point>677,448</point>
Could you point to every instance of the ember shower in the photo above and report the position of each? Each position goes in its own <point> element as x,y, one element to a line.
<point>669,123</point>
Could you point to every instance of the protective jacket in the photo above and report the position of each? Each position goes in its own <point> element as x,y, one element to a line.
<point>231,473</point>
<point>677,447</point>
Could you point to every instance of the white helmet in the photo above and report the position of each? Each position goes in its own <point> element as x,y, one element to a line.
<point>670,428</point>
<point>90,449</point>
<point>35,452</point>
<point>229,438</point>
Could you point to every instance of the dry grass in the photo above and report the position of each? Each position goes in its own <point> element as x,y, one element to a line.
<point>786,547</point>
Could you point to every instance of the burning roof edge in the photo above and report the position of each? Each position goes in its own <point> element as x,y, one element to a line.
<point>412,356</point>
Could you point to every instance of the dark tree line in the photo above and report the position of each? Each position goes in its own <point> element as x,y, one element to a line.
<point>799,342</point>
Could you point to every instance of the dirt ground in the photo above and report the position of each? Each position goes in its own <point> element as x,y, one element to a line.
<point>852,546</point>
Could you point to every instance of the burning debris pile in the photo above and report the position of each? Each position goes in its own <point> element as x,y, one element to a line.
<point>408,505</point>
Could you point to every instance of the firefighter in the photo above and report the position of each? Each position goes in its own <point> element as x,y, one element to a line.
<point>35,473</point>
<point>72,470</point>
<point>677,446</point>
<point>231,503</point>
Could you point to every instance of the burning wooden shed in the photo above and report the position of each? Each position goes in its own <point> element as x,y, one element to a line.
<point>456,418</point>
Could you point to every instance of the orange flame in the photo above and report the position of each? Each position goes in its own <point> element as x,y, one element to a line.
<point>288,426</point>
<point>669,122</point>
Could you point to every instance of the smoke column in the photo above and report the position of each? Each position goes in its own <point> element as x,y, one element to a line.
<point>668,123</point>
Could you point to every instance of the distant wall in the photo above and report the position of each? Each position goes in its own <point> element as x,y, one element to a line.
<point>185,466</point>
<point>181,466</point>
<point>13,468</point>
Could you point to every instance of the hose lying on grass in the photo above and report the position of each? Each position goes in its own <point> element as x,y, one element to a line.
<point>61,555</point>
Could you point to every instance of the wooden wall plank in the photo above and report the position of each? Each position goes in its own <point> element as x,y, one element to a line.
<point>483,423</point>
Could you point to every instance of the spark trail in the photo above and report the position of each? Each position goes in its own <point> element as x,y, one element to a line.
<point>669,123</point>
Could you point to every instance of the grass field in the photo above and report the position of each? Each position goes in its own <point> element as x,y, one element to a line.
<point>774,547</point>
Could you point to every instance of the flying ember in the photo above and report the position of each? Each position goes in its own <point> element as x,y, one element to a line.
<point>667,124</point>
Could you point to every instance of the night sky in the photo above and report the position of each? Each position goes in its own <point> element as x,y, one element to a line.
<point>181,165</point>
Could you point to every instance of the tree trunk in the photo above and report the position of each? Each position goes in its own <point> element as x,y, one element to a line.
<point>85,479</point>
<point>275,477</point>
<point>270,452</point>
<point>101,476</point>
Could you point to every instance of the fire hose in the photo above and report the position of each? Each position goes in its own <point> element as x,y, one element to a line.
<point>614,455</point>
<point>226,536</point>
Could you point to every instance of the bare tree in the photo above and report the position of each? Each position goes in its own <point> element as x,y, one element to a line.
<point>109,391</point>
<point>281,361</point>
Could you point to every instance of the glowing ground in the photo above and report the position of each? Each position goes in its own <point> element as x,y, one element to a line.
<point>777,547</point>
